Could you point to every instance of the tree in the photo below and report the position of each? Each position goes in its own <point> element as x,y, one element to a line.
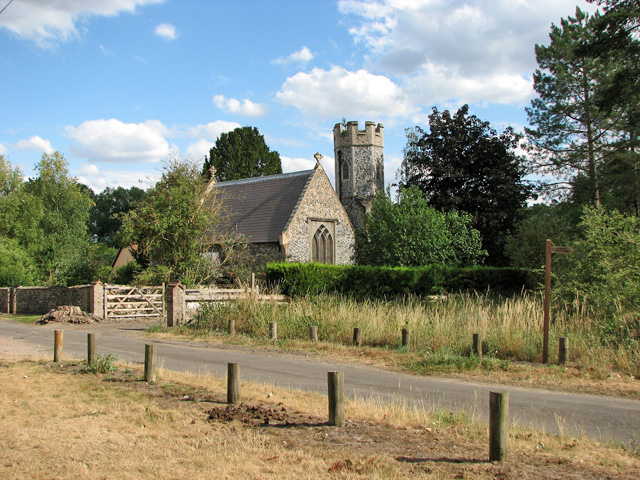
<point>241,153</point>
<point>105,217</point>
<point>575,137</point>
<point>176,225</point>
<point>462,164</point>
<point>62,210</point>
<point>10,177</point>
<point>411,233</point>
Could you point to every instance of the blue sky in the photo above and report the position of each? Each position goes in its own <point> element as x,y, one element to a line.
<point>116,85</point>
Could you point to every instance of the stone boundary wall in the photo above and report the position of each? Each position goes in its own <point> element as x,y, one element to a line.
<point>39,300</point>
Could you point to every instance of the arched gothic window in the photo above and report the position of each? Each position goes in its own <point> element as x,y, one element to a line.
<point>322,246</point>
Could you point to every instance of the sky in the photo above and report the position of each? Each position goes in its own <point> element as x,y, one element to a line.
<point>117,86</point>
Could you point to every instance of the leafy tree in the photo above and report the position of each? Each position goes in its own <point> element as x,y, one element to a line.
<point>604,272</point>
<point>576,139</point>
<point>462,164</point>
<point>16,267</point>
<point>62,226</point>
<point>176,226</point>
<point>10,177</point>
<point>412,233</point>
<point>105,217</point>
<point>241,153</point>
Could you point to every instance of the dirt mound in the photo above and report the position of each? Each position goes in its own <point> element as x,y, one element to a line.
<point>67,314</point>
<point>258,415</point>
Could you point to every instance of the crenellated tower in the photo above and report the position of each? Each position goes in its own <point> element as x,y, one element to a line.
<point>359,167</point>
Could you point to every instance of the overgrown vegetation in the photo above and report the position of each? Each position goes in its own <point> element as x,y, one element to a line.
<point>441,329</point>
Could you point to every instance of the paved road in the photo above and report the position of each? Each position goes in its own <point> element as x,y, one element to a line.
<point>597,417</point>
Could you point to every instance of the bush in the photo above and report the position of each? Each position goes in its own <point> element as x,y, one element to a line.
<point>387,282</point>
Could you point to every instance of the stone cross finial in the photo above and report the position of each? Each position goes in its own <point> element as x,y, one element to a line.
<point>318,157</point>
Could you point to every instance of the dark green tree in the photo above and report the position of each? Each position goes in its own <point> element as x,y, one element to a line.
<point>105,217</point>
<point>576,139</point>
<point>412,233</point>
<point>462,164</point>
<point>241,153</point>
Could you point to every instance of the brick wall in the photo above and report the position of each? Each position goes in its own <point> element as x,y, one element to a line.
<point>39,300</point>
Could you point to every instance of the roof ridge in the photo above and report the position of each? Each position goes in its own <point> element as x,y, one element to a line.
<point>242,181</point>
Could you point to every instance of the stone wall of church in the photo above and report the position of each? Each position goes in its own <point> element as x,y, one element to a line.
<point>320,204</point>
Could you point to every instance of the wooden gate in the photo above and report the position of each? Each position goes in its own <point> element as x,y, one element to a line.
<point>124,301</point>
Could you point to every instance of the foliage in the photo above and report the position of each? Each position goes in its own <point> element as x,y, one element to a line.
<point>578,141</point>
<point>241,153</point>
<point>100,364</point>
<point>109,207</point>
<point>559,222</point>
<point>411,233</point>
<point>462,164</point>
<point>604,270</point>
<point>366,282</point>
<point>16,267</point>
<point>10,177</point>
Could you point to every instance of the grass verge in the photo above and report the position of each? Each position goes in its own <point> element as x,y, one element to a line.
<point>57,423</point>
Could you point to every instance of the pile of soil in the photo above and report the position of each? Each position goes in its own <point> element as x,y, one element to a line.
<point>67,314</point>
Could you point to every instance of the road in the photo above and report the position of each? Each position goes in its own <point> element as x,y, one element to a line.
<point>597,417</point>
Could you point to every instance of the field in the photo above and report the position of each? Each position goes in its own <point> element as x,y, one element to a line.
<point>60,422</point>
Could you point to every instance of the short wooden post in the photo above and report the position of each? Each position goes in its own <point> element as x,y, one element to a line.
<point>477,345</point>
<point>406,337</point>
<point>91,348</point>
<point>313,334</point>
<point>253,284</point>
<point>498,426</point>
<point>357,336</point>
<point>233,383</point>
<point>336,399</point>
<point>57,346</point>
<point>232,326</point>
<point>150,363</point>
<point>563,350</point>
<point>273,330</point>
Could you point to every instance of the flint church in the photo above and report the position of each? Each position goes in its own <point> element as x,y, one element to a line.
<point>299,215</point>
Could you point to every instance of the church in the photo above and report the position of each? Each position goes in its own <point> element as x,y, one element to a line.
<point>299,215</point>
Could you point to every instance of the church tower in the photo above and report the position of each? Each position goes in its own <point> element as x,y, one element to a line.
<point>359,167</point>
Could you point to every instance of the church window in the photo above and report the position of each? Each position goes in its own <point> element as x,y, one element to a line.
<point>322,246</point>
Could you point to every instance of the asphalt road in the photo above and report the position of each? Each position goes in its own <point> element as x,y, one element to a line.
<point>597,417</point>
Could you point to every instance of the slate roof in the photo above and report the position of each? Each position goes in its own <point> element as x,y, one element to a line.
<point>260,207</point>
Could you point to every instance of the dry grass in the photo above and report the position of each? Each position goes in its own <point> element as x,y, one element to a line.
<point>60,424</point>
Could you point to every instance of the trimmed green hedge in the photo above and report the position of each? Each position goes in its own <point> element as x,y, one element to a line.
<point>387,282</point>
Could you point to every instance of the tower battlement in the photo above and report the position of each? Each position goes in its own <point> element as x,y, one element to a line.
<point>372,135</point>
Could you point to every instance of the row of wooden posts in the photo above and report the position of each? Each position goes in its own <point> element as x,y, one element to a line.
<point>498,401</point>
<point>476,348</point>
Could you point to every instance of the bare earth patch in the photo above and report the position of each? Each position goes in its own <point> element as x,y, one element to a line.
<point>56,423</point>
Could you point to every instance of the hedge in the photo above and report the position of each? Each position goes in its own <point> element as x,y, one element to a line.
<point>387,282</point>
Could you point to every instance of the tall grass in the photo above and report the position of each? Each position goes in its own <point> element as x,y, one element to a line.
<point>440,327</point>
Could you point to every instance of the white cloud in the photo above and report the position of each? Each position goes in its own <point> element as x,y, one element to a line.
<point>296,164</point>
<point>115,141</point>
<point>246,108</point>
<point>166,31</point>
<point>206,136</point>
<point>457,49</point>
<point>98,179</point>
<point>35,143</point>
<point>46,23</point>
<point>3,150</point>
<point>301,57</point>
<point>338,92</point>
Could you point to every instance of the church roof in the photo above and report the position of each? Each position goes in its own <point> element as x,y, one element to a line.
<point>260,207</point>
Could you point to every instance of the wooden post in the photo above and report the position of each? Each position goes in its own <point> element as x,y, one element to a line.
<point>357,336</point>
<point>233,383</point>
<point>91,348</point>
<point>13,301</point>
<point>273,330</point>
<point>253,284</point>
<point>57,346</point>
<point>105,303</point>
<point>547,301</point>
<point>313,334</point>
<point>150,363</point>
<point>477,345</point>
<point>232,326</point>
<point>406,337</point>
<point>336,399</point>
<point>498,426</point>
<point>563,350</point>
